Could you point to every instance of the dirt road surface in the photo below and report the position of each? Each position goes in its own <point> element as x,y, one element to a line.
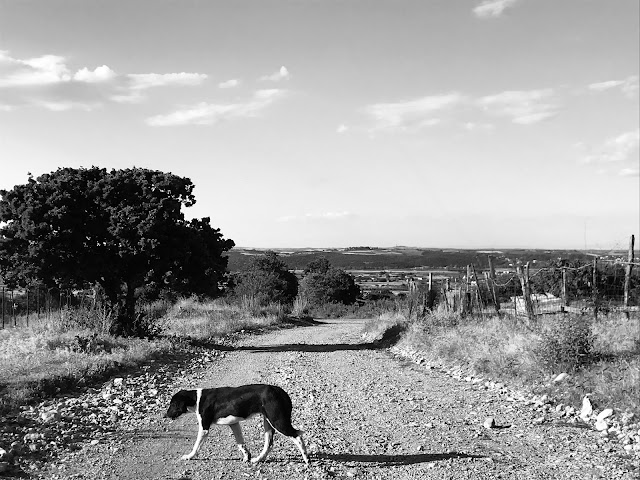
<point>365,415</point>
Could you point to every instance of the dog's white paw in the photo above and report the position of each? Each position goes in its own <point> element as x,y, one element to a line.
<point>256,460</point>
<point>186,457</point>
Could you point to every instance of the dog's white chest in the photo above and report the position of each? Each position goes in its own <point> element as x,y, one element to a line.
<point>230,420</point>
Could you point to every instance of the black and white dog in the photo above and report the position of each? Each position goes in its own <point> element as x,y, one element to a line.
<point>231,405</point>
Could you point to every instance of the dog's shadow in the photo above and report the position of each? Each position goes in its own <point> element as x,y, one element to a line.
<point>393,460</point>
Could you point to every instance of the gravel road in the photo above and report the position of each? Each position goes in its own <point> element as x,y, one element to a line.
<point>366,414</point>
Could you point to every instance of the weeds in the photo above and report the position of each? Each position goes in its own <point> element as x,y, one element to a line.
<point>602,357</point>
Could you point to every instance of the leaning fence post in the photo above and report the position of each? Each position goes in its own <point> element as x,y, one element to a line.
<point>3,305</point>
<point>27,306</point>
<point>523,275</point>
<point>483,303</point>
<point>627,273</point>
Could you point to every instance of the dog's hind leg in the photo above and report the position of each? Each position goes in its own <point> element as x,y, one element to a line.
<point>268,442</point>
<point>237,433</point>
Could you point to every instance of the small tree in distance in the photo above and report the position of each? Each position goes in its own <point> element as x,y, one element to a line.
<point>267,280</point>
<point>323,284</point>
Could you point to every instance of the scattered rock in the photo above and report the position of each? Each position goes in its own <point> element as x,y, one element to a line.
<point>601,425</point>
<point>560,377</point>
<point>489,423</point>
<point>606,413</point>
<point>50,416</point>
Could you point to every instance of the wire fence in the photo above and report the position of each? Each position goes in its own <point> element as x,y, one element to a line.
<point>599,287</point>
<point>23,306</point>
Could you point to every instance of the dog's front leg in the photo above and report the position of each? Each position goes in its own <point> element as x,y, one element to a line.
<point>202,434</point>
<point>237,433</point>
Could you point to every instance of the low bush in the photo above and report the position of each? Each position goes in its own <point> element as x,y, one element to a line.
<point>566,344</point>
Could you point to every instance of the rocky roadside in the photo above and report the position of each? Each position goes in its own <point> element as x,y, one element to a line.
<point>618,432</point>
<point>33,437</point>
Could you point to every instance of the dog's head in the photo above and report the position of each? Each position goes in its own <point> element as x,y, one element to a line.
<point>182,402</point>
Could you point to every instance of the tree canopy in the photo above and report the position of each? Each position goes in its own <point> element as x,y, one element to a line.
<point>120,229</point>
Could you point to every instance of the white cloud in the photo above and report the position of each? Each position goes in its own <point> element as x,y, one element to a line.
<point>142,81</point>
<point>99,74</point>
<point>209,113</point>
<point>43,70</point>
<point>231,83</point>
<point>629,172</point>
<point>493,8</point>
<point>628,86</point>
<point>618,149</point>
<point>48,82</point>
<point>282,74</point>
<point>523,107</point>
<point>342,128</point>
<point>416,113</point>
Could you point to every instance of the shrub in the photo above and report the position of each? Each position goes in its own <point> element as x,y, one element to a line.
<point>567,344</point>
<point>268,280</point>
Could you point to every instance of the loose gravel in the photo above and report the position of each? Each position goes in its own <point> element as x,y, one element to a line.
<point>367,413</point>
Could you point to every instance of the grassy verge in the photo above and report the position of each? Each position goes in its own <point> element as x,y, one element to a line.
<point>74,349</point>
<point>601,357</point>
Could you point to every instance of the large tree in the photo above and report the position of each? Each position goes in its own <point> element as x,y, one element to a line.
<point>120,229</point>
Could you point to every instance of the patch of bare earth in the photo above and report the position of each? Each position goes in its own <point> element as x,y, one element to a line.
<point>365,415</point>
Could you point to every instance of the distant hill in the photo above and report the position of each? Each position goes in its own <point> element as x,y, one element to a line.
<point>372,258</point>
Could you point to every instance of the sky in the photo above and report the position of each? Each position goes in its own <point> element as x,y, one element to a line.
<point>336,123</point>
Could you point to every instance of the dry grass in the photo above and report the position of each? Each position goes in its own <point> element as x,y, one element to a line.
<point>190,318</point>
<point>502,349</point>
<point>59,354</point>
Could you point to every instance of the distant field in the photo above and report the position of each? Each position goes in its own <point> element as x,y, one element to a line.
<point>405,258</point>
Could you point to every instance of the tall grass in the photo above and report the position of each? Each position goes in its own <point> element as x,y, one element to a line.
<point>601,356</point>
<point>197,320</point>
<point>75,349</point>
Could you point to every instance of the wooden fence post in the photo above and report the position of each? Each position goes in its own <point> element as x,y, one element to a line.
<point>483,303</point>
<point>492,277</point>
<point>565,302</point>
<point>627,273</point>
<point>467,306</point>
<point>523,275</point>
<point>594,287</point>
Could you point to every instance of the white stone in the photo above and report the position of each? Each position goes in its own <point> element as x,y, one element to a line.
<point>560,377</point>
<point>606,413</point>
<point>117,382</point>
<point>601,425</point>
<point>489,422</point>
<point>50,416</point>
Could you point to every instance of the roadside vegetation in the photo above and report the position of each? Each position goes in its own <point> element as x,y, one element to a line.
<point>601,357</point>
